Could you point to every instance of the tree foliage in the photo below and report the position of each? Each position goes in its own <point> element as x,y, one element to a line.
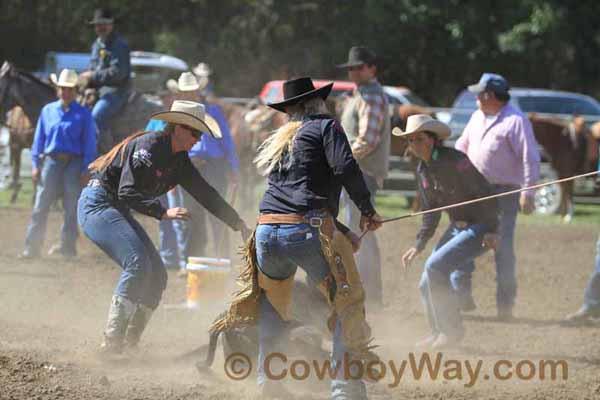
<point>433,47</point>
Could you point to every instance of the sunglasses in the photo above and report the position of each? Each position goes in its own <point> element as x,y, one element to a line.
<point>196,134</point>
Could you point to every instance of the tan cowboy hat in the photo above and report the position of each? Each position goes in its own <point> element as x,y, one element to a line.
<point>187,82</point>
<point>67,78</point>
<point>192,114</point>
<point>423,123</point>
<point>202,70</point>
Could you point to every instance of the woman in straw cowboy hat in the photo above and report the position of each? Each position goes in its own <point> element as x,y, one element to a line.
<point>131,176</point>
<point>63,146</point>
<point>307,161</point>
<point>446,176</point>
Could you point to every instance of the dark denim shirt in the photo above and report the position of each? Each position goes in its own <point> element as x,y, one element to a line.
<point>312,177</point>
<point>150,169</point>
<point>449,178</point>
<point>110,64</point>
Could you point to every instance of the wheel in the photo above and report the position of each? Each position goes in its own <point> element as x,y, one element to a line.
<point>548,198</point>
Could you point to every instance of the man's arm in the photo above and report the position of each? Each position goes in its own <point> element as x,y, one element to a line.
<point>226,141</point>
<point>39,141</point>
<point>371,119</point>
<point>462,144</point>
<point>523,143</point>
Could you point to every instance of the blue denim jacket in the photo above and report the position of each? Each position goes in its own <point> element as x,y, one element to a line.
<point>110,64</point>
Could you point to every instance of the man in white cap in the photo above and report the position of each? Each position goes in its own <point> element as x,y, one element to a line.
<point>217,162</point>
<point>63,146</point>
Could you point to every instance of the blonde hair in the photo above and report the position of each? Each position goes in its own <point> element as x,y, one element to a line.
<point>105,160</point>
<point>275,147</point>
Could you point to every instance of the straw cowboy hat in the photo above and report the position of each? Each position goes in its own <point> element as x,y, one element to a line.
<point>202,70</point>
<point>187,82</point>
<point>67,78</point>
<point>296,90</point>
<point>191,114</point>
<point>423,123</point>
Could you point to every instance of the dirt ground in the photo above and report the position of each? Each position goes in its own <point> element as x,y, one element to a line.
<point>52,313</point>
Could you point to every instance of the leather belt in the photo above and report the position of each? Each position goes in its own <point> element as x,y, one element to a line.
<point>292,219</point>
<point>64,157</point>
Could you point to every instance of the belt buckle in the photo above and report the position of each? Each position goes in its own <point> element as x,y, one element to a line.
<point>315,222</point>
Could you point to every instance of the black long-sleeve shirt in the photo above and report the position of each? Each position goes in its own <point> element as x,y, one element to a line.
<point>312,176</point>
<point>449,178</point>
<point>150,169</point>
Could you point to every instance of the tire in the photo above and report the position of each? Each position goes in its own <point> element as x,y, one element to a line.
<point>548,198</point>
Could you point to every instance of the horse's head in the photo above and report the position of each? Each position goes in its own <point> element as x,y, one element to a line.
<point>8,94</point>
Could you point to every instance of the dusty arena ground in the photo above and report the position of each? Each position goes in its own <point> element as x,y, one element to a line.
<point>52,314</point>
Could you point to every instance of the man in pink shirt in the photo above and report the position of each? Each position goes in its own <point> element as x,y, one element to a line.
<point>500,143</point>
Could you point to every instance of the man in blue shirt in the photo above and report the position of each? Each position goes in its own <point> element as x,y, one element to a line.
<point>110,71</point>
<point>218,163</point>
<point>63,146</point>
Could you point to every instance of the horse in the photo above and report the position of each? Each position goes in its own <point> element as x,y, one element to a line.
<point>566,143</point>
<point>19,88</point>
<point>23,95</point>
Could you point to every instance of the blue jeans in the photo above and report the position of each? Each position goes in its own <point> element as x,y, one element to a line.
<point>119,235</point>
<point>368,258</point>
<point>592,291</point>
<point>455,251</point>
<point>181,239</point>
<point>173,234</point>
<point>506,279</point>
<point>280,249</point>
<point>56,177</point>
<point>107,107</point>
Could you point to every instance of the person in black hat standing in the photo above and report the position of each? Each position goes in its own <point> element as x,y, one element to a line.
<point>366,122</point>
<point>110,73</point>
<point>307,161</point>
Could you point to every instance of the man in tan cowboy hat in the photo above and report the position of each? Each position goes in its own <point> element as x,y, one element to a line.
<point>446,176</point>
<point>367,124</point>
<point>63,146</point>
<point>217,162</point>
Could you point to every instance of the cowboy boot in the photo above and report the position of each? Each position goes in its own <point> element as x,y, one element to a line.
<point>119,314</point>
<point>137,324</point>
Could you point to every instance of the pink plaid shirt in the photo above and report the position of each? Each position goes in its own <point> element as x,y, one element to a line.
<point>372,112</point>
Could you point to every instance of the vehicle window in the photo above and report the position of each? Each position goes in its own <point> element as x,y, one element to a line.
<point>149,79</point>
<point>557,105</point>
<point>272,95</point>
<point>466,100</point>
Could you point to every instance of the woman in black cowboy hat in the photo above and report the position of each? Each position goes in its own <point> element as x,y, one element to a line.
<point>308,161</point>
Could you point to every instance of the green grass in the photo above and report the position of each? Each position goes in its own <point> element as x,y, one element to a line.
<point>24,200</point>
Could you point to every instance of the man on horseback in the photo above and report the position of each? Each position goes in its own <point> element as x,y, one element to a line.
<point>63,146</point>
<point>110,70</point>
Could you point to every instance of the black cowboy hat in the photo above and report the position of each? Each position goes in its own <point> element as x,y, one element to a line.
<point>359,55</point>
<point>102,16</point>
<point>296,90</point>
